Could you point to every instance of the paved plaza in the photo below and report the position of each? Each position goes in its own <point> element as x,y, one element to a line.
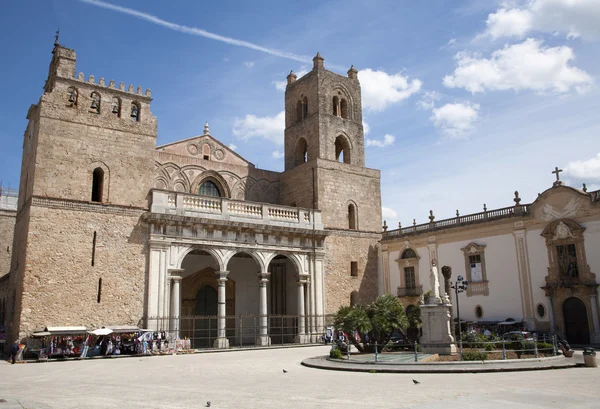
<point>255,379</point>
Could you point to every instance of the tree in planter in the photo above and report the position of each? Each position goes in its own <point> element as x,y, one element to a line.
<point>375,322</point>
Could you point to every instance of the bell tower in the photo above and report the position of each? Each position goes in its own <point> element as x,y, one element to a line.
<point>323,117</point>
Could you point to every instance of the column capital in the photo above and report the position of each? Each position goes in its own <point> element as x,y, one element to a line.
<point>175,271</point>
<point>302,278</point>
<point>176,278</point>
<point>222,275</point>
<point>263,278</point>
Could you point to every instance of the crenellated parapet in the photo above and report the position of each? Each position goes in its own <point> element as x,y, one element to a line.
<point>69,96</point>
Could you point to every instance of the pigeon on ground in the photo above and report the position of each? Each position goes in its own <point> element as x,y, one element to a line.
<point>416,382</point>
<point>284,371</point>
<point>208,404</point>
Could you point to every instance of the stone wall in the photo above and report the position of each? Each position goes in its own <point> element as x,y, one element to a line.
<point>7,225</point>
<point>340,250</point>
<point>60,285</point>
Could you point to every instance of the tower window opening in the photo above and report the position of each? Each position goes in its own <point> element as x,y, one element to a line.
<point>301,153</point>
<point>97,184</point>
<point>304,108</point>
<point>95,105</point>
<point>336,106</point>
<point>135,111</point>
<point>299,111</point>
<point>352,217</point>
<point>342,150</point>
<point>116,106</point>
<point>343,108</point>
<point>72,95</point>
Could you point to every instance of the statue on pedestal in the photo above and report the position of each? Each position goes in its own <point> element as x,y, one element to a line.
<point>434,298</point>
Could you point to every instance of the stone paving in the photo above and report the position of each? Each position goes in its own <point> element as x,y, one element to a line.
<point>255,379</point>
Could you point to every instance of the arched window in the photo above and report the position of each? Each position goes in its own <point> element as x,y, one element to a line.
<point>116,106</point>
<point>95,105</point>
<point>408,253</point>
<point>352,224</point>
<point>344,108</point>
<point>97,184</point>
<point>304,108</point>
<point>336,106</point>
<point>135,111</point>
<point>301,153</point>
<point>72,96</point>
<point>353,298</point>
<point>209,188</point>
<point>342,149</point>
<point>299,111</point>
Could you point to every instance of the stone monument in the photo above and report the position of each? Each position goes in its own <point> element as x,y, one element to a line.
<point>437,335</point>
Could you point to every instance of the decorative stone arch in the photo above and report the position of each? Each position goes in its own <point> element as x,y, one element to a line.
<point>231,253</point>
<point>408,265</point>
<point>342,145</point>
<point>343,94</point>
<point>294,258</point>
<point>352,213</point>
<point>105,188</point>
<point>161,182</point>
<point>565,235</point>
<point>216,178</point>
<point>301,151</point>
<point>217,255</point>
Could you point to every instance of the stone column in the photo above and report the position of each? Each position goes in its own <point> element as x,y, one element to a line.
<point>263,335</point>
<point>319,301</point>
<point>175,305</point>
<point>156,288</point>
<point>301,337</point>
<point>221,342</point>
<point>551,314</point>
<point>595,336</point>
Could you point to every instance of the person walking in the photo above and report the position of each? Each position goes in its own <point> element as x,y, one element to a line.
<point>14,350</point>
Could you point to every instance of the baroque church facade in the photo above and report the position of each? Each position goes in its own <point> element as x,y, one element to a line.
<point>111,229</point>
<point>532,264</point>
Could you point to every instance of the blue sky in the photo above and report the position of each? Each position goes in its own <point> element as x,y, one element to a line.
<point>465,101</point>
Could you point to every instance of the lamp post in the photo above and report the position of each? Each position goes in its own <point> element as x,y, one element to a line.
<point>459,286</point>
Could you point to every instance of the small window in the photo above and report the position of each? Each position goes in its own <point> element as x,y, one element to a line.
<point>97,184</point>
<point>336,106</point>
<point>409,277</point>
<point>208,188</point>
<point>72,96</point>
<point>476,270</point>
<point>541,310</point>
<point>304,108</point>
<point>135,111</point>
<point>354,269</point>
<point>95,105</point>
<point>478,311</point>
<point>206,151</point>
<point>409,253</point>
<point>352,217</point>
<point>299,111</point>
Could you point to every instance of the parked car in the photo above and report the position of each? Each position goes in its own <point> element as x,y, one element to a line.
<point>509,335</point>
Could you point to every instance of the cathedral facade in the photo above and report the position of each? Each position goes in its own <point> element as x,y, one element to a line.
<point>112,229</point>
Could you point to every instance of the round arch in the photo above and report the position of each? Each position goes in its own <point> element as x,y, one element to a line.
<point>342,92</point>
<point>292,257</point>
<point>252,255</point>
<point>215,255</point>
<point>575,314</point>
<point>214,177</point>
<point>301,151</point>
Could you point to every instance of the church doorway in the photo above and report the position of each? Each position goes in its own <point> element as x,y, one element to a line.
<point>282,300</point>
<point>577,330</point>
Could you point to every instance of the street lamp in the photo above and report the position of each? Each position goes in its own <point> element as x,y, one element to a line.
<point>459,286</point>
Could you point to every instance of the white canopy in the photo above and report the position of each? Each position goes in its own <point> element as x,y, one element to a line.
<point>65,330</point>
<point>101,331</point>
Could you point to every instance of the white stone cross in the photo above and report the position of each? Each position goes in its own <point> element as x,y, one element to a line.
<point>557,171</point>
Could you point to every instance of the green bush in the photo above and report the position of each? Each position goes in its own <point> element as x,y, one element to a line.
<point>335,353</point>
<point>474,340</point>
<point>474,356</point>
<point>546,347</point>
<point>489,347</point>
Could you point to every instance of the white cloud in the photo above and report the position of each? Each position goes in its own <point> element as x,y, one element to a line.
<point>366,128</point>
<point>585,169</point>
<point>380,89</point>
<point>455,120</point>
<point>232,146</point>
<point>387,141</point>
<point>573,18</point>
<point>280,85</point>
<point>268,127</point>
<point>428,100</point>
<point>525,66</point>
<point>388,213</point>
<point>248,64</point>
<point>452,41</point>
<point>277,155</point>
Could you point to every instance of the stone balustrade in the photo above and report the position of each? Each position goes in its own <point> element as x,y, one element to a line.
<point>189,205</point>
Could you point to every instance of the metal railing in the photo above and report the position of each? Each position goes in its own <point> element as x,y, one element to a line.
<point>244,330</point>
<point>410,291</point>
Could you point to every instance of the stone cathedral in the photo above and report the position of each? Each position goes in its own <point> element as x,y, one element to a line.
<point>111,229</point>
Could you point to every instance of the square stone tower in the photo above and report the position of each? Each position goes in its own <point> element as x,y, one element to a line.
<point>325,170</point>
<point>87,156</point>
